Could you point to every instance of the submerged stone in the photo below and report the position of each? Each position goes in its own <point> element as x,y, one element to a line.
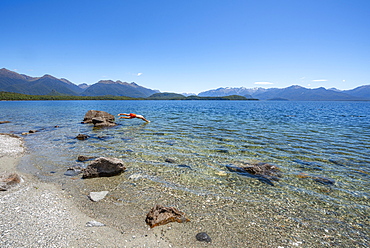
<point>83,158</point>
<point>170,160</point>
<point>319,179</point>
<point>323,180</point>
<point>104,167</point>
<point>262,171</point>
<point>82,137</point>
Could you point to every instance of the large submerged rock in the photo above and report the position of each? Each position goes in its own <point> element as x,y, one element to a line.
<point>104,167</point>
<point>262,171</point>
<point>160,215</point>
<point>99,118</point>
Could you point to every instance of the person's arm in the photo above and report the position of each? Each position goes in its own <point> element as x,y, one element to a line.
<point>143,118</point>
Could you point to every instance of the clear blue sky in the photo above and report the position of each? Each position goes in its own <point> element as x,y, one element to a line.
<point>192,45</point>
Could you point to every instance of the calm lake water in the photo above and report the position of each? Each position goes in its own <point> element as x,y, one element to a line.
<point>321,148</point>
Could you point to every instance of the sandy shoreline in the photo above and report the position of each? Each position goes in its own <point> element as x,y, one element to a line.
<point>38,214</point>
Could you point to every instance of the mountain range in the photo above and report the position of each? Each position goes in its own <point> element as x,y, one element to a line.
<point>11,81</point>
<point>294,93</point>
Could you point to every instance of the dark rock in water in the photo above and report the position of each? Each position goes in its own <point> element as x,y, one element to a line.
<point>340,162</point>
<point>3,122</point>
<point>160,215</point>
<point>323,180</point>
<point>202,236</point>
<point>262,171</point>
<point>99,118</point>
<point>159,133</point>
<point>170,160</point>
<point>308,165</point>
<point>9,180</point>
<point>184,166</point>
<point>73,171</point>
<point>319,179</point>
<point>30,131</point>
<point>82,137</point>
<point>104,167</point>
<point>104,137</point>
<point>83,158</point>
<point>222,150</point>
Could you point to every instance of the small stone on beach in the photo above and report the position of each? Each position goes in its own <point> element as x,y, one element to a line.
<point>94,223</point>
<point>9,180</point>
<point>160,215</point>
<point>97,196</point>
<point>202,236</point>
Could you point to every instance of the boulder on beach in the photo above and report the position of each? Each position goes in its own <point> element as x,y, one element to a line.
<point>160,215</point>
<point>99,118</point>
<point>104,167</point>
<point>8,180</point>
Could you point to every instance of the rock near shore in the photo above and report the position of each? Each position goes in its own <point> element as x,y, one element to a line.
<point>160,215</point>
<point>99,118</point>
<point>8,180</point>
<point>104,167</point>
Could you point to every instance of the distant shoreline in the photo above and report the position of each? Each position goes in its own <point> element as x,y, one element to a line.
<point>10,96</point>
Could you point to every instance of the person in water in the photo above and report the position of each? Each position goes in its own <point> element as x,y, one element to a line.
<point>131,116</point>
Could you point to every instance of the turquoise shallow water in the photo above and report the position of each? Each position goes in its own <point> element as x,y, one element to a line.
<point>306,140</point>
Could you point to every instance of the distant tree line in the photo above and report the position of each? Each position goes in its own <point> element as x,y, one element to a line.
<point>10,96</point>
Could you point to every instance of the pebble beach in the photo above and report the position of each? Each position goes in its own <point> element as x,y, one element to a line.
<point>38,214</point>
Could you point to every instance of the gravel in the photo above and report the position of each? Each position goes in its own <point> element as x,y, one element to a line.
<point>38,214</point>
